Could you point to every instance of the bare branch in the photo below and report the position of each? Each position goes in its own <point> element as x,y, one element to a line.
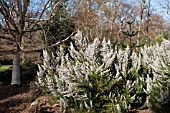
<point>49,16</point>
<point>56,44</point>
<point>59,42</point>
<point>5,12</point>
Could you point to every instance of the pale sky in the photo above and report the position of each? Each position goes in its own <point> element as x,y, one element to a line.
<point>156,5</point>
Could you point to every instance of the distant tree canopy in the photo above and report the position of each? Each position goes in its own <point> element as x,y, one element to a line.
<point>167,32</point>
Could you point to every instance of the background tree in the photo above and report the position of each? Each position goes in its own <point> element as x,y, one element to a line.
<point>141,13</point>
<point>19,20</point>
<point>58,28</point>
<point>165,5</point>
<point>108,18</point>
<point>167,32</point>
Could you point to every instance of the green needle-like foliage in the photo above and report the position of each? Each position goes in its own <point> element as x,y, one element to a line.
<point>130,33</point>
<point>98,78</point>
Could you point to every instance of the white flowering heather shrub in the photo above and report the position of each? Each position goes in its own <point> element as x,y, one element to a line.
<point>158,82</point>
<point>95,77</point>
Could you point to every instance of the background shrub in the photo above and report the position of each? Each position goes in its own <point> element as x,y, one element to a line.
<point>6,61</point>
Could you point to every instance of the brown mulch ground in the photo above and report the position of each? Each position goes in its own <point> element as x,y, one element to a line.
<point>14,99</point>
<point>17,99</point>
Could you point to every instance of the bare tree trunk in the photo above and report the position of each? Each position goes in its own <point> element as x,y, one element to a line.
<point>148,16</point>
<point>142,7</point>
<point>16,70</point>
<point>22,54</point>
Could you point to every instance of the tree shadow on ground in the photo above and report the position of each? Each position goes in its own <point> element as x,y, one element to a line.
<point>12,97</point>
<point>9,91</point>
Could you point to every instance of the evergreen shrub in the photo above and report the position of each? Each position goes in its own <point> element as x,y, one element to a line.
<point>95,77</point>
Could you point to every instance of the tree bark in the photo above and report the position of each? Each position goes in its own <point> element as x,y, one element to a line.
<point>16,70</point>
<point>142,7</point>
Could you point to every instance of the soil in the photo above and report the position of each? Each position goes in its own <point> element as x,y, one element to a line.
<point>14,99</point>
<point>18,99</point>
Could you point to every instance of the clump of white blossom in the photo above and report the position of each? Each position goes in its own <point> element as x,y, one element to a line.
<point>157,57</point>
<point>92,73</point>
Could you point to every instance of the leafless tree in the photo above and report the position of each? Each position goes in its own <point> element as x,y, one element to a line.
<point>165,5</point>
<point>19,19</point>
